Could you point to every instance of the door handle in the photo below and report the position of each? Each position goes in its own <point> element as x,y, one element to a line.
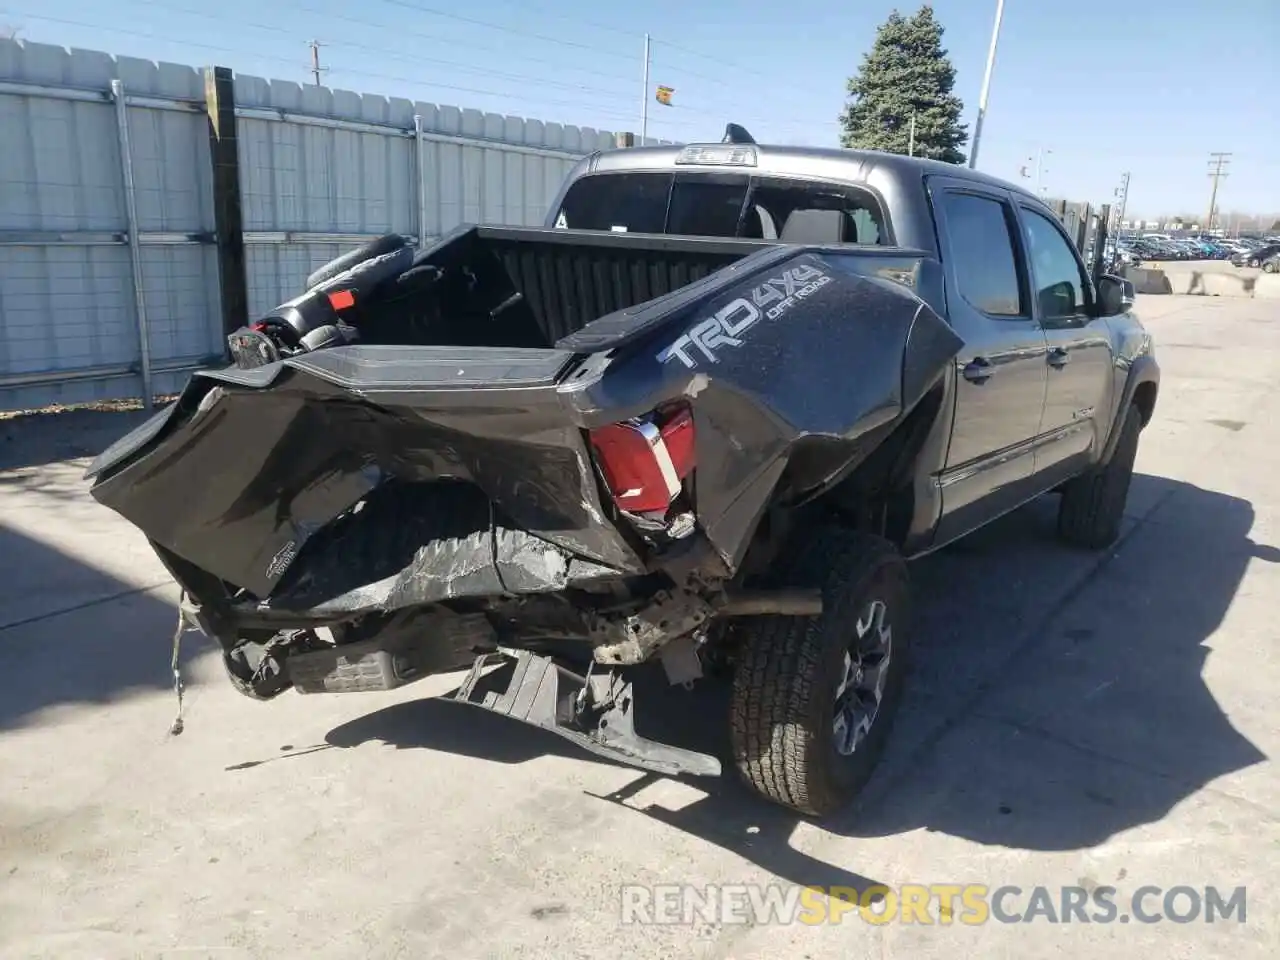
<point>1059,358</point>
<point>979,370</point>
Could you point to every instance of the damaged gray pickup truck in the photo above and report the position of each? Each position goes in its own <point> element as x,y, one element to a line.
<point>703,417</point>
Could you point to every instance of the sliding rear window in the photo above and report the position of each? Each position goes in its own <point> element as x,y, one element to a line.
<point>714,205</point>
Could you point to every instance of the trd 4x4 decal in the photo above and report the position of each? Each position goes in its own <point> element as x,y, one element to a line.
<point>770,299</point>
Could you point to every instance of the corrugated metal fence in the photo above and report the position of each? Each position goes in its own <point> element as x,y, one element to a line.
<point>106,205</point>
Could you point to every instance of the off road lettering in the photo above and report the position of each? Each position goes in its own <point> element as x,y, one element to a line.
<point>770,299</point>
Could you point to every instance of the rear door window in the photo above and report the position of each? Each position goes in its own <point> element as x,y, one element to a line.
<point>981,247</point>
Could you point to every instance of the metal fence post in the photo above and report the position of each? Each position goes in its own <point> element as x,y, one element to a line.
<point>420,168</point>
<point>228,213</point>
<point>1100,240</point>
<point>1082,228</point>
<point>135,246</point>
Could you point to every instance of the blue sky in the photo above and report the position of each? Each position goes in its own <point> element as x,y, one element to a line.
<point>1103,87</point>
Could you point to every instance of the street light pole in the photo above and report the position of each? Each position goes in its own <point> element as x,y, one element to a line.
<point>986,86</point>
<point>644,101</point>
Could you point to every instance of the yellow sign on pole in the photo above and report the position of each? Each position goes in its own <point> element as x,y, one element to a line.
<point>663,96</point>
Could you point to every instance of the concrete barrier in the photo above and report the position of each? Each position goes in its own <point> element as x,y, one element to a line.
<point>1204,283</point>
<point>1228,285</point>
<point>1267,287</point>
<point>1147,280</point>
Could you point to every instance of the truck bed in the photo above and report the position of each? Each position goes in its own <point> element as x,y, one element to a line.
<point>534,286</point>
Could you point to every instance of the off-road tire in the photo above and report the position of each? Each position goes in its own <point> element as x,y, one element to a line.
<point>1092,507</point>
<point>788,670</point>
<point>385,244</point>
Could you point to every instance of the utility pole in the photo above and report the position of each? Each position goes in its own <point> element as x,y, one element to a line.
<point>1040,170</point>
<point>1041,153</point>
<point>1217,162</point>
<point>316,69</point>
<point>911,136</point>
<point>986,86</point>
<point>644,98</point>
<point>1122,195</point>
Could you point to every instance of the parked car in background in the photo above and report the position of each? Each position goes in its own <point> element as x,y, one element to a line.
<point>1127,256</point>
<point>1232,247</point>
<point>1271,264</point>
<point>1255,257</point>
<point>1162,249</point>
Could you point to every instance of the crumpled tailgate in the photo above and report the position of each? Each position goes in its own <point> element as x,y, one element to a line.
<point>249,466</point>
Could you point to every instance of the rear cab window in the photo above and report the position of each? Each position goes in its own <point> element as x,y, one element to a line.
<point>721,205</point>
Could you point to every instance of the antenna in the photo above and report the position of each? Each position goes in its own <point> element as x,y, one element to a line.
<point>734,133</point>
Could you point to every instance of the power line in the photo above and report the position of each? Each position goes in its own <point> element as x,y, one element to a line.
<point>593,24</point>
<point>592,90</point>
<point>490,25</point>
<point>636,35</point>
<point>294,64</point>
<point>151,36</point>
<point>405,31</point>
<point>617,113</point>
<point>658,41</point>
<point>385,54</point>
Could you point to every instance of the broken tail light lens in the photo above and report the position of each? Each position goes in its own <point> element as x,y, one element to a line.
<point>646,460</point>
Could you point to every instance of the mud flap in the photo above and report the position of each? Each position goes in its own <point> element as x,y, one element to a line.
<point>597,712</point>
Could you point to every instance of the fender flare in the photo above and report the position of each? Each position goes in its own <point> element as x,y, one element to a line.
<point>1143,370</point>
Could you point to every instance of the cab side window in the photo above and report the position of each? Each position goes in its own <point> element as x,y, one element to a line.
<point>980,245</point>
<point>1056,275</point>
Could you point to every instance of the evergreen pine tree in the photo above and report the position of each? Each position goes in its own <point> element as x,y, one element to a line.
<point>906,71</point>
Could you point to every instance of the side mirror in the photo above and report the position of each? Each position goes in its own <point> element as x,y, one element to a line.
<point>1115,296</point>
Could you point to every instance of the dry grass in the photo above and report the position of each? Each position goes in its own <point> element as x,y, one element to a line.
<point>95,406</point>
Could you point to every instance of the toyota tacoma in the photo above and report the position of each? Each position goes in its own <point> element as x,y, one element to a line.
<point>703,417</point>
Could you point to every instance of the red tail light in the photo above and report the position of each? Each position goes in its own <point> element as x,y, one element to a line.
<point>646,460</point>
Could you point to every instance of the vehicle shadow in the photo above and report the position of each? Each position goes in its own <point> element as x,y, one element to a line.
<point>728,816</point>
<point>1057,697</point>
<point>51,436</point>
<point>73,634</point>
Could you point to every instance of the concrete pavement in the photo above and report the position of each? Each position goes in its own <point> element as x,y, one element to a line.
<point>1073,720</point>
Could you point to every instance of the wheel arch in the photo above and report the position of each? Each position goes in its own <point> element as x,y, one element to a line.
<point>1141,389</point>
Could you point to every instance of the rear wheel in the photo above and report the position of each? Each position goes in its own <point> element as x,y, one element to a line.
<point>1093,504</point>
<point>1270,266</point>
<point>814,697</point>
